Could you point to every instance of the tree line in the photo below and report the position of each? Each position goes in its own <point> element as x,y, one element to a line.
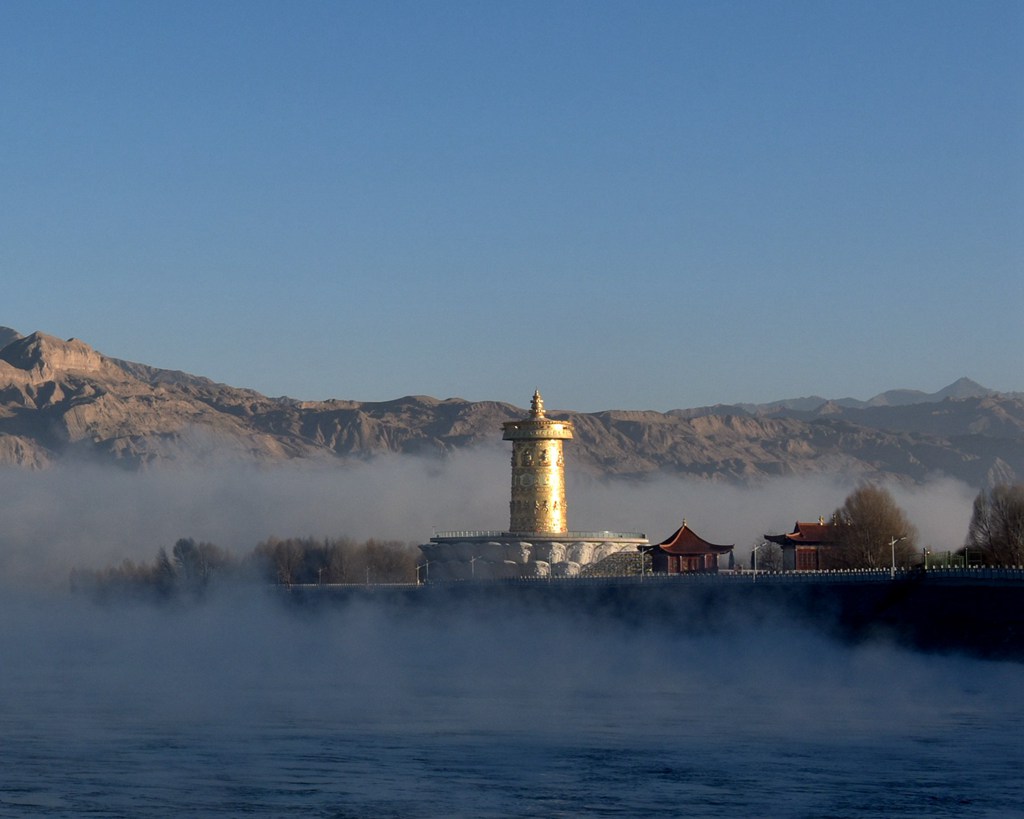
<point>871,531</point>
<point>191,567</point>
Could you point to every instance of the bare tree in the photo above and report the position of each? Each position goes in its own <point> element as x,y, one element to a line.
<point>196,563</point>
<point>165,576</point>
<point>339,552</point>
<point>281,561</point>
<point>997,525</point>
<point>389,561</point>
<point>865,527</point>
<point>769,556</point>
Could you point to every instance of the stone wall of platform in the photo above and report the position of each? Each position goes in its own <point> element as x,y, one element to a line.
<point>506,559</point>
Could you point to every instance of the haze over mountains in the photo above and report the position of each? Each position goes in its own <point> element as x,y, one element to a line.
<point>62,401</point>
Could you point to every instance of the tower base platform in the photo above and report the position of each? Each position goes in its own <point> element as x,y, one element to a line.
<point>504,555</point>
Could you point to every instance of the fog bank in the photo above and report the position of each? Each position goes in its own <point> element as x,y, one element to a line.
<point>92,516</point>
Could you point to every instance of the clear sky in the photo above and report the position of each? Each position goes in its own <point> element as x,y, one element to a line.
<point>628,205</point>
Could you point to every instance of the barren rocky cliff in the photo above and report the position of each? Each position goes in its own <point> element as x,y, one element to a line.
<point>62,400</point>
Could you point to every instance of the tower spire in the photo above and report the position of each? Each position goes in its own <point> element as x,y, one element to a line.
<point>537,405</point>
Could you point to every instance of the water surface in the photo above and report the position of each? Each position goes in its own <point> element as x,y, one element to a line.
<point>242,706</point>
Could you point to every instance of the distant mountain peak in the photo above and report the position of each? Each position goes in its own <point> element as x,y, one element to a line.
<point>7,335</point>
<point>965,388</point>
<point>42,356</point>
<point>961,388</point>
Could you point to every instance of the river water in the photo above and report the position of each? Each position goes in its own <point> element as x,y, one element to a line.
<point>242,706</point>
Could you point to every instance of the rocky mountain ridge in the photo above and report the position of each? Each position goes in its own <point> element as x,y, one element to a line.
<point>961,388</point>
<point>62,400</point>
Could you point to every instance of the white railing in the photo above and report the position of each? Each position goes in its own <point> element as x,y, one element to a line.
<point>791,577</point>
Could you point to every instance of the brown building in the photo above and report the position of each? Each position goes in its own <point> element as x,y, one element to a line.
<point>804,548</point>
<point>685,551</point>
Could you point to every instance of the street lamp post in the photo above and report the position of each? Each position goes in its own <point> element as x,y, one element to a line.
<point>754,554</point>
<point>892,545</point>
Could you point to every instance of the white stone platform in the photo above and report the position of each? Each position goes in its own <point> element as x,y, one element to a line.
<point>492,555</point>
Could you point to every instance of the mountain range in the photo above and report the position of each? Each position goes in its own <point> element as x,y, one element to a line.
<point>62,401</point>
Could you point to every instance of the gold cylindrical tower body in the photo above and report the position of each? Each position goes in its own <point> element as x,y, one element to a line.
<point>538,471</point>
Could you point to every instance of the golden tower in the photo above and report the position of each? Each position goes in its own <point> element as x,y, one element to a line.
<point>538,471</point>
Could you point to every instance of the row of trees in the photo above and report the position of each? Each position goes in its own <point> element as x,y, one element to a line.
<point>869,520</point>
<point>191,567</point>
<point>308,560</point>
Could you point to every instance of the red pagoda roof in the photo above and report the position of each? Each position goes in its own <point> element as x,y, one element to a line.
<point>684,541</point>
<point>805,534</point>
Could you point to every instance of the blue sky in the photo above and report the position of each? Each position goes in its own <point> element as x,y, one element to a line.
<point>628,205</point>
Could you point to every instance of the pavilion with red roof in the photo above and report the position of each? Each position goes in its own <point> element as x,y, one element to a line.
<point>685,551</point>
<point>803,548</point>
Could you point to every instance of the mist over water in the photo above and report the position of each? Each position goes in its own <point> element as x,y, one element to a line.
<point>93,516</point>
<point>244,704</point>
